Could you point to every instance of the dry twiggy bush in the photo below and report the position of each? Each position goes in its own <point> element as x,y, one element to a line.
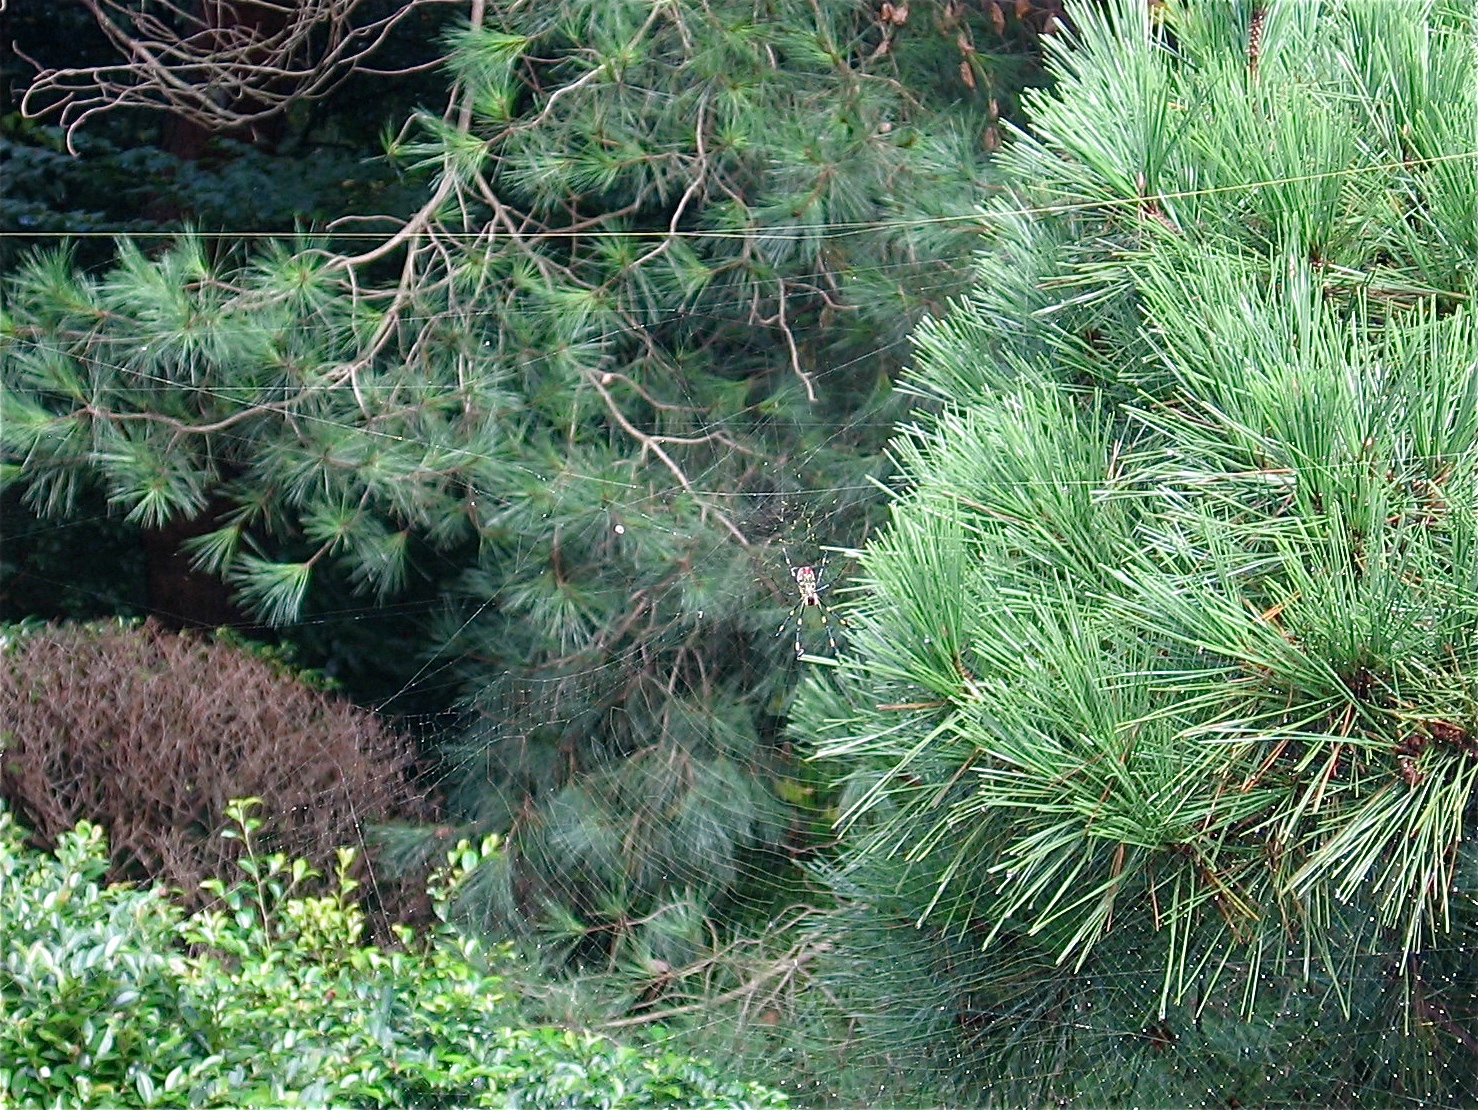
<point>150,733</point>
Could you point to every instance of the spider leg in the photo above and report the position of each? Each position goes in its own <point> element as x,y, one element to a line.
<point>798,614</point>
<point>831,640</point>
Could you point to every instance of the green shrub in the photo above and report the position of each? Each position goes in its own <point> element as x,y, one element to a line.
<point>110,994</point>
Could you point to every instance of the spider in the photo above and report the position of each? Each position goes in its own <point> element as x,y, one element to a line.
<point>808,584</point>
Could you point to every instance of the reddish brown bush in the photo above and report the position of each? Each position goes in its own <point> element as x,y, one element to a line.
<point>150,733</point>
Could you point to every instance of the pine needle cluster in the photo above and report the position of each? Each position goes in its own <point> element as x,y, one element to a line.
<point>575,399</point>
<point>1160,729</point>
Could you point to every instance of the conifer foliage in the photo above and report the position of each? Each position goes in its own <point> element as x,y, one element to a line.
<point>577,395</point>
<point>1159,722</point>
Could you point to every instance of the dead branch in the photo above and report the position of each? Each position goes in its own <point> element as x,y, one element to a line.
<point>784,969</point>
<point>779,320</point>
<point>224,64</point>
<point>654,445</point>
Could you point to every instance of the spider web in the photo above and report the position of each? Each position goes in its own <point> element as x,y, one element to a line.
<point>495,755</point>
<point>728,926</point>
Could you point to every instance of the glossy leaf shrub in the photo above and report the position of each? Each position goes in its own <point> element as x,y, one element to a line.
<point>111,995</point>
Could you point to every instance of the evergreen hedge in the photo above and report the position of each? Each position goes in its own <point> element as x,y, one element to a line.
<point>110,994</point>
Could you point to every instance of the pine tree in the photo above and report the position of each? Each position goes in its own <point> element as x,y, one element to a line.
<point>1158,725</point>
<point>581,395</point>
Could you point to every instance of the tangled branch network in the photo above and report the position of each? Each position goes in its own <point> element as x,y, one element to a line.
<point>224,64</point>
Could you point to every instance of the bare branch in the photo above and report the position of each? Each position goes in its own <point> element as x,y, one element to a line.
<point>224,64</point>
<point>654,445</point>
<point>780,321</point>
